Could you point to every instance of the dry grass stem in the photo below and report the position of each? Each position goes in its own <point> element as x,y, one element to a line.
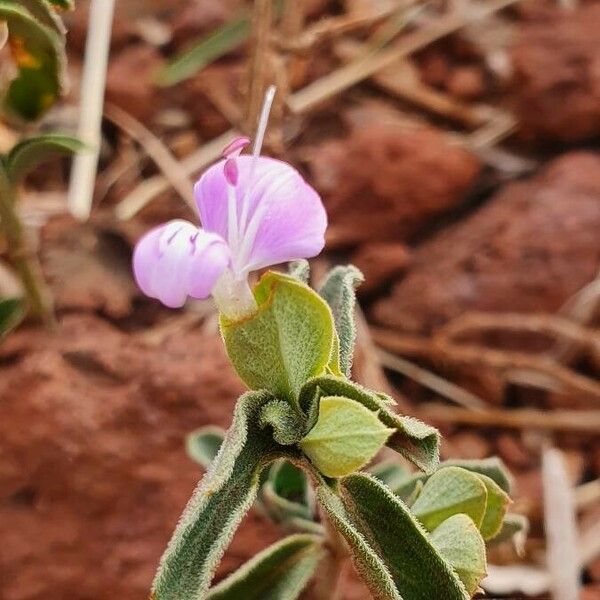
<point>431,381</point>
<point>153,186</point>
<point>349,75</point>
<point>260,68</point>
<point>552,325</point>
<point>557,420</point>
<point>444,351</point>
<point>85,165</point>
<point>562,556</point>
<point>156,150</point>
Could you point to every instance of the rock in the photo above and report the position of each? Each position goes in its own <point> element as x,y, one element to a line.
<point>590,592</point>
<point>380,263</point>
<point>388,182</point>
<point>466,444</point>
<point>93,470</point>
<point>513,452</point>
<point>88,267</point>
<point>130,81</point>
<point>532,246</point>
<point>466,82</point>
<point>557,75</point>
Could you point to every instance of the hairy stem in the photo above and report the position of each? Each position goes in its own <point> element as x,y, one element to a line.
<point>22,259</point>
<point>331,574</point>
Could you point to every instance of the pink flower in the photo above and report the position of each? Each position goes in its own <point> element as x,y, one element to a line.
<point>255,211</point>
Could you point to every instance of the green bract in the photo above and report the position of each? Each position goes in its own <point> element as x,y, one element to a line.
<point>345,438</point>
<point>287,342</point>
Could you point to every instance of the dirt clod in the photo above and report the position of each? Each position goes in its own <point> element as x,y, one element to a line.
<point>557,75</point>
<point>388,182</point>
<point>532,246</point>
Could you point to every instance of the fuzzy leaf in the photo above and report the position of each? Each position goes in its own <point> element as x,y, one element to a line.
<point>369,565</point>
<point>389,472</point>
<point>345,438</point>
<point>39,54</point>
<point>287,424</point>
<point>203,444</point>
<point>12,311</point>
<point>218,505</point>
<point>415,440</point>
<point>458,540</point>
<point>515,528</point>
<point>286,497</point>
<point>29,153</point>
<point>448,492</point>
<point>338,290</point>
<point>290,482</point>
<point>278,573</point>
<point>286,342</point>
<point>492,467</point>
<point>281,510</point>
<point>300,270</point>
<point>377,518</point>
<point>498,502</point>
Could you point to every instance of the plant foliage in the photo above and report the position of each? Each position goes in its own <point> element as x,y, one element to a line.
<point>295,445</point>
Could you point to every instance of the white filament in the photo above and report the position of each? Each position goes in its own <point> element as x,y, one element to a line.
<point>256,148</point>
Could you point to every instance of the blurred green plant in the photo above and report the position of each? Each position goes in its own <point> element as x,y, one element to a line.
<point>293,450</point>
<point>209,48</point>
<point>36,37</point>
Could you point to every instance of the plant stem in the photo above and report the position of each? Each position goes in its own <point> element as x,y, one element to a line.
<point>22,259</point>
<point>332,571</point>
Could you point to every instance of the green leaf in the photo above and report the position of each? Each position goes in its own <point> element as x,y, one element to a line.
<point>515,528</point>
<point>389,472</point>
<point>12,312</point>
<point>288,424</point>
<point>498,502</point>
<point>289,481</point>
<point>368,563</point>
<point>278,573</point>
<point>45,13</point>
<point>29,153</point>
<point>345,438</point>
<point>63,4</point>
<point>286,342</point>
<point>338,290</point>
<point>373,518</point>
<point>208,49</point>
<point>218,505</point>
<point>450,491</point>
<point>415,440</point>
<point>492,467</point>
<point>458,540</point>
<point>203,444</point>
<point>39,54</point>
<point>300,270</point>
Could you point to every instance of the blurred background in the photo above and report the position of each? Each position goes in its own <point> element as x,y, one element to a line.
<point>455,145</point>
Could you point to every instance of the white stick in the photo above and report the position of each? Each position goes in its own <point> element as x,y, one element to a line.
<point>83,175</point>
<point>562,542</point>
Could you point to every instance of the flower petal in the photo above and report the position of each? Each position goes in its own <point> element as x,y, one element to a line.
<point>177,260</point>
<point>289,217</point>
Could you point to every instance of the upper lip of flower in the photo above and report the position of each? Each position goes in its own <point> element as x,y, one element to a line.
<point>255,211</point>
